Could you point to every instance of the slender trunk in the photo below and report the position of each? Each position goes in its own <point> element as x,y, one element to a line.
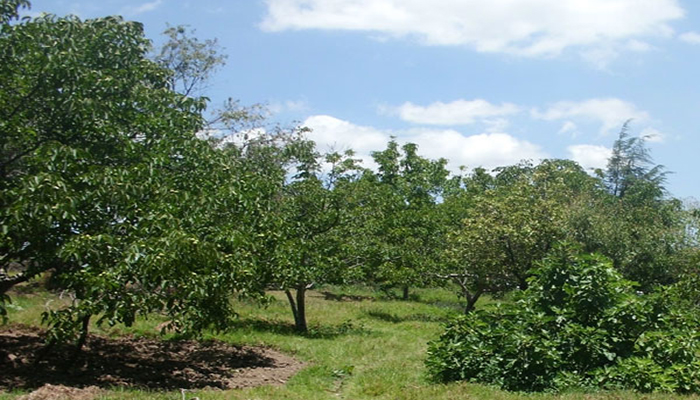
<point>292,304</point>
<point>471,300</point>
<point>301,310</point>
<point>405,293</point>
<point>298,306</point>
<point>83,333</point>
<point>84,329</point>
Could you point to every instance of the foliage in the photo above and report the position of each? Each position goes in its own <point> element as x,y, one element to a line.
<point>500,226</point>
<point>631,171</point>
<point>578,325</point>
<point>190,60</point>
<point>396,231</point>
<point>105,185</point>
<point>309,210</point>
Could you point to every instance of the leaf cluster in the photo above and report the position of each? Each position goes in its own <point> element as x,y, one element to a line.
<point>579,325</point>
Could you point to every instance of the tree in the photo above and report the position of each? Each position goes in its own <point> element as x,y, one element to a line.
<point>190,60</point>
<point>401,235</point>
<point>192,63</point>
<point>631,171</point>
<point>106,186</point>
<point>310,209</point>
<point>503,225</point>
<point>635,224</point>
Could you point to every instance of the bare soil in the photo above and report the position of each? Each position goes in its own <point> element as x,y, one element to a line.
<point>134,362</point>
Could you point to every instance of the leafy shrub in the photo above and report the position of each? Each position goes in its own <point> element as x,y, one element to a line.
<point>579,325</point>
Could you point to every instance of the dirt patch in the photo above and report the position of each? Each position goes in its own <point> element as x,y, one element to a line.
<point>60,392</point>
<point>138,362</point>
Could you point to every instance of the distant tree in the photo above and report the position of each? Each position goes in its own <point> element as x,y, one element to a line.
<point>190,60</point>
<point>401,235</point>
<point>507,223</point>
<point>631,171</point>
<point>636,225</point>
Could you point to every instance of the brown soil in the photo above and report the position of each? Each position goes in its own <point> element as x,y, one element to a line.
<point>135,362</point>
<point>60,392</point>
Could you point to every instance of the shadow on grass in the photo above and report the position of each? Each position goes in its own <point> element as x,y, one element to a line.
<point>288,329</point>
<point>345,297</point>
<point>389,317</point>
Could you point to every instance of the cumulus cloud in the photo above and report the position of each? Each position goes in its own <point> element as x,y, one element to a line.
<point>611,113</point>
<point>590,156</point>
<point>458,112</point>
<point>521,27</point>
<point>488,150</point>
<point>142,8</point>
<point>690,37</point>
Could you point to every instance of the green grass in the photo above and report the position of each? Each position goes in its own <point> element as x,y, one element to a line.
<point>361,345</point>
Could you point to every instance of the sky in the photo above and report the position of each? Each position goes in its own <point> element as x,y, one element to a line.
<point>483,83</point>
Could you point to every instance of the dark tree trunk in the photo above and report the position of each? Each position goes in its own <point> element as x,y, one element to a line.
<point>298,306</point>
<point>405,294</point>
<point>82,339</point>
<point>522,283</point>
<point>471,300</point>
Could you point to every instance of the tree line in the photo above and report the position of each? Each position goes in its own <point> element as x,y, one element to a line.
<point>122,186</point>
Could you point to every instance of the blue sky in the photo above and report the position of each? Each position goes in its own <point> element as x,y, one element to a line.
<point>480,82</point>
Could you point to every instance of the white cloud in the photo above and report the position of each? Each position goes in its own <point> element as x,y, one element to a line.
<point>458,112</point>
<point>690,37</point>
<point>653,135</point>
<point>143,8</point>
<point>611,113</point>
<point>521,27</point>
<point>487,150</point>
<point>277,107</point>
<point>590,156</point>
<point>569,127</point>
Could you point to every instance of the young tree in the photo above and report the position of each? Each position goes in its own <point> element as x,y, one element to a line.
<point>310,210</point>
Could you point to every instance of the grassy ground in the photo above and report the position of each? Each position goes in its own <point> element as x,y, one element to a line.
<point>360,346</point>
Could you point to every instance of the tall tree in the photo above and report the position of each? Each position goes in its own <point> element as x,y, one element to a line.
<point>631,170</point>
<point>105,185</point>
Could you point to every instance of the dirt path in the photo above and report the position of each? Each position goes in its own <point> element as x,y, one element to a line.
<point>139,362</point>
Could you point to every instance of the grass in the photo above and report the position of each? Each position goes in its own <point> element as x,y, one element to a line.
<point>361,345</point>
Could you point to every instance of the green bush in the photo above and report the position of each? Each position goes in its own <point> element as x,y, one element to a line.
<point>579,325</point>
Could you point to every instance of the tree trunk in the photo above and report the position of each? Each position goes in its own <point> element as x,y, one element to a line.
<point>84,329</point>
<point>405,293</point>
<point>300,322</point>
<point>298,306</point>
<point>471,300</point>
<point>522,283</point>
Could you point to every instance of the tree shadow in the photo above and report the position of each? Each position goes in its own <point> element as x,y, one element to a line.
<point>393,318</point>
<point>345,297</point>
<point>131,362</point>
<point>287,328</point>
